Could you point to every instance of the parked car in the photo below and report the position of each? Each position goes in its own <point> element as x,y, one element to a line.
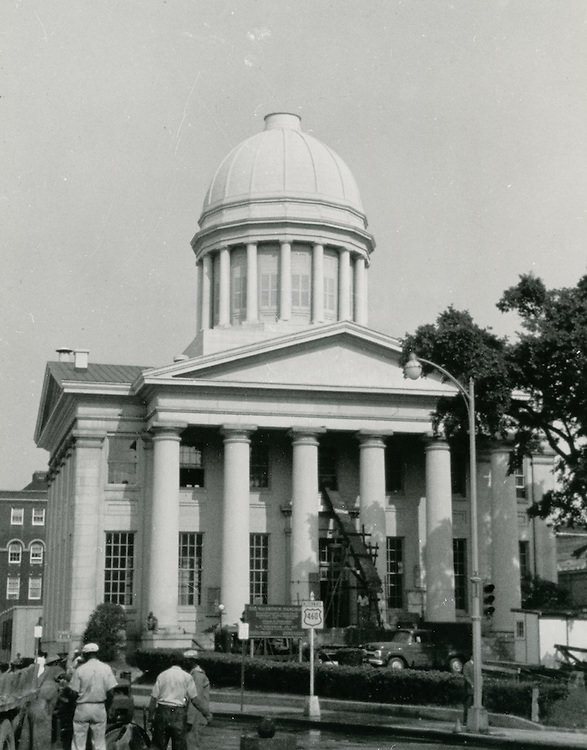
<point>414,647</point>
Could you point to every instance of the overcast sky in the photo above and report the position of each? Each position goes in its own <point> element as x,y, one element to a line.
<point>464,123</point>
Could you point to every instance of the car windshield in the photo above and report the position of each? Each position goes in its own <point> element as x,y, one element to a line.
<point>402,636</point>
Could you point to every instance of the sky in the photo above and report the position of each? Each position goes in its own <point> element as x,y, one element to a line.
<point>463,122</point>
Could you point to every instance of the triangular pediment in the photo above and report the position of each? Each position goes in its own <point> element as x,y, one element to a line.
<point>338,356</point>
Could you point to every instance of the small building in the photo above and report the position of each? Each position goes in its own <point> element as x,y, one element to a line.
<point>22,564</point>
<point>283,453</point>
<point>537,632</point>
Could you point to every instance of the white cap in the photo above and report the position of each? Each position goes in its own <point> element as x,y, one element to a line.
<point>90,648</point>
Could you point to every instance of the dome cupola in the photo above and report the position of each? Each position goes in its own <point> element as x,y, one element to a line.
<point>283,240</point>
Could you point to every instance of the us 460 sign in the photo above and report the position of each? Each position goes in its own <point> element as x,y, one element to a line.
<point>313,615</point>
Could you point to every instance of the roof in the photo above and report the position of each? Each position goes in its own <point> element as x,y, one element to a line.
<point>94,372</point>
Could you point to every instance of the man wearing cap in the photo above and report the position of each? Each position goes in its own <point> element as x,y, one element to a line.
<point>173,690</point>
<point>93,683</point>
<point>200,715</point>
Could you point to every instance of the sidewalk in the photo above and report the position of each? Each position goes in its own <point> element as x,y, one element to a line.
<point>424,723</point>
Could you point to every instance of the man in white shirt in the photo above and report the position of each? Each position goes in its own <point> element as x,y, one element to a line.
<point>93,683</point>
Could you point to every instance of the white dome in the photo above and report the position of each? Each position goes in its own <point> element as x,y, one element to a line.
<point>285,173</point>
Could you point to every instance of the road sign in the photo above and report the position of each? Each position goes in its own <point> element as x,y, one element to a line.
<point>313,615</point>
<point>243,631</point>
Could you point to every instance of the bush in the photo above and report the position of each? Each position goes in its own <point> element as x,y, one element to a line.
<point>107,628</point>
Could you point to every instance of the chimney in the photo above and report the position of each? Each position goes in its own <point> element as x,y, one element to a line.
<point>64,353</point>
<point>80,359</point>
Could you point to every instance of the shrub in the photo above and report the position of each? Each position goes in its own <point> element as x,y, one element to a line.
<point>107,628</point>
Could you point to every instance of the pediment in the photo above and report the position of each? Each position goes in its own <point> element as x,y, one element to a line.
<point>337,357</point>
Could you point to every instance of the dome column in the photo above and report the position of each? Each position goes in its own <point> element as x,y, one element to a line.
<point>285,281</point>
<point>440,572</point>
<point>252,297</point>
<point>198,295</point>
<point>344,284</point>
<point>361,291</point>
<point>206,296</point>
<point>224,287</point>
<point>318,283</point>
<point>234,591</point>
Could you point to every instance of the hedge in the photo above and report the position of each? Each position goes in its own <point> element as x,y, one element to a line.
<point>410,686</point>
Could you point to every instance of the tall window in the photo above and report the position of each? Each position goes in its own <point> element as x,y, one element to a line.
<point>122,460</point>
<point>524,559</point>
<point>15,553</point>
<point>16,516</point>
<point>13,587</point>
<point>459,548</point>
<point>394,583</point>
<point>327,468</point>
<point>268,282</point>
<point>520,482</point>
<point>191,466</point>
<point>330,285</point>
<point>190,569</point>
<point>259,569</point>
<point>301,273</point>
<point>36,553</point>
<point>38,516</point>
<point>259,477</point>
<point>119,567</point>
<point>35,587</point>
<point>458,472</point>
<point>394,468</point>
<point>238,285</point>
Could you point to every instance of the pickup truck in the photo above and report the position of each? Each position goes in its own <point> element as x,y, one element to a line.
<point>413,647</point>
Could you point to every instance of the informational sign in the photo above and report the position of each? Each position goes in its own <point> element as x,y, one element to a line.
<point>313,615</point>
<point>63,635</point>
<point>273,621</point>
<point>38,630</point>
<point>243,631</point>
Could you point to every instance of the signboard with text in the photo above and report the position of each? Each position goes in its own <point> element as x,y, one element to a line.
<point>273,621</point>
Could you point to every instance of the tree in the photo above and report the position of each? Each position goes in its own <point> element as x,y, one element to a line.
<point>537,593</point>
<point>534,390</point>
<point>107,628</point>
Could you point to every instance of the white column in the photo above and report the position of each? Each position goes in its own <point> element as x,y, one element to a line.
<point>252,296</point>
<point>234,591</point>
<point>344,284</point>
<point>318,284</point>
<point>164,532</point>
<point>285,281</point>
<point>360,291</point>
<point>87,531</point>
<point>372,494</point>
<point>206,298</point>
<point>505,542</point>
<point>304,515</point>
<point>438,552</point>
<point>198,295</point>
<point>224,288</point>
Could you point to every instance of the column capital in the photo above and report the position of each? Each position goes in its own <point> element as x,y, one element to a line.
<point>368,438</point>
<point>307,435</point>
<point>87,439</point>
<point>237,432</point>
<point>436,444</point>
<point>167,430</point>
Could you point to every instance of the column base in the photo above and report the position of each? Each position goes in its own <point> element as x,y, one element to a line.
<point>312,707</point>
<point>477,720</point>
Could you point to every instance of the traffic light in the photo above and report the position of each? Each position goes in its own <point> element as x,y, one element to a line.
<point>488,599</point>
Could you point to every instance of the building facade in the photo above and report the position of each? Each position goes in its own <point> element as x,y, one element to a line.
<point>22,562</point>
<point>282,453</point>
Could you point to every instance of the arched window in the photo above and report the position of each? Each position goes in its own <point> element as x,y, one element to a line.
<point>15,553</point>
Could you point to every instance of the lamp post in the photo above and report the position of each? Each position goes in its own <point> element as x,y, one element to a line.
<point>477,715</point>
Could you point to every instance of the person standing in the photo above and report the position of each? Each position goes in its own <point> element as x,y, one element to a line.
<point>198,717</point>
<point>469,677</point>
<point>92,683</point>
<point>174,688</point>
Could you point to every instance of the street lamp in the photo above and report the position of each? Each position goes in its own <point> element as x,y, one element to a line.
<point>220,614</point>
<point>477,716</point>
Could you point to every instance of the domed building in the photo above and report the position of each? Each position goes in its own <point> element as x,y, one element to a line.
<point>283,455</point>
